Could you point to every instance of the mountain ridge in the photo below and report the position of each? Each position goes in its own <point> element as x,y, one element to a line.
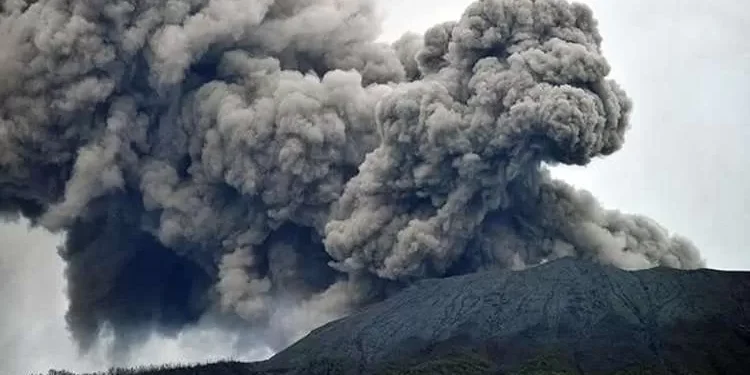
<point>556,303</point>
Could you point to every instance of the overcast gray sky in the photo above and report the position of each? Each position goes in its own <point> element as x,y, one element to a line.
<point>685,64</point>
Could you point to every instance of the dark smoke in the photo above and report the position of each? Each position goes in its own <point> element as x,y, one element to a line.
<point>263,158</point>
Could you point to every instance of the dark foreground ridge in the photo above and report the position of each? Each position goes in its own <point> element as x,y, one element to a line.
<point>564,317</point>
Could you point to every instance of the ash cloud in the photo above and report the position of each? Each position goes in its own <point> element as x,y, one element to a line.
<point>249,158</point>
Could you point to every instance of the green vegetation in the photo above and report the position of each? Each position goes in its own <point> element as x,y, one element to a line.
<point>457,363</point>
<point>547,364</point>
<point>463,364</point>
<point>220,368</point>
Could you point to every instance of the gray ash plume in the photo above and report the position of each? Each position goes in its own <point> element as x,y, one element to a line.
<point>238,157</point>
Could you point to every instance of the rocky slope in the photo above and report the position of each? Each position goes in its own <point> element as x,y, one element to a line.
<point>591,318</point>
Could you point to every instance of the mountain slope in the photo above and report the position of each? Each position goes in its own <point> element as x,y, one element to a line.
<point>592,317</point>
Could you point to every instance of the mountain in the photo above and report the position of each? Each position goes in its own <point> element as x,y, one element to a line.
<point>595,318</point>
<point>564,317</point>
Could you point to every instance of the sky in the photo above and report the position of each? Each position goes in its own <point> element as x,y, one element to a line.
<point>683,62</point>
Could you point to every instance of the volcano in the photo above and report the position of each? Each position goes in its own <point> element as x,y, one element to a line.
<point>576,314</point>
<point>568,316</point>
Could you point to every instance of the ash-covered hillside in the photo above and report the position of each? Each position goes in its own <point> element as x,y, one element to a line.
<point>564,317</point>
<point>597,319</point>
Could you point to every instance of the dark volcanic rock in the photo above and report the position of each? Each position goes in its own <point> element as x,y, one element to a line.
<point>593,318</point>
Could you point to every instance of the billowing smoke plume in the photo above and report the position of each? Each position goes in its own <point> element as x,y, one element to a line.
<point>251,159</point>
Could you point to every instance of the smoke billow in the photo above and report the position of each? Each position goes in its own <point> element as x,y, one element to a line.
<point>257,159</point>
